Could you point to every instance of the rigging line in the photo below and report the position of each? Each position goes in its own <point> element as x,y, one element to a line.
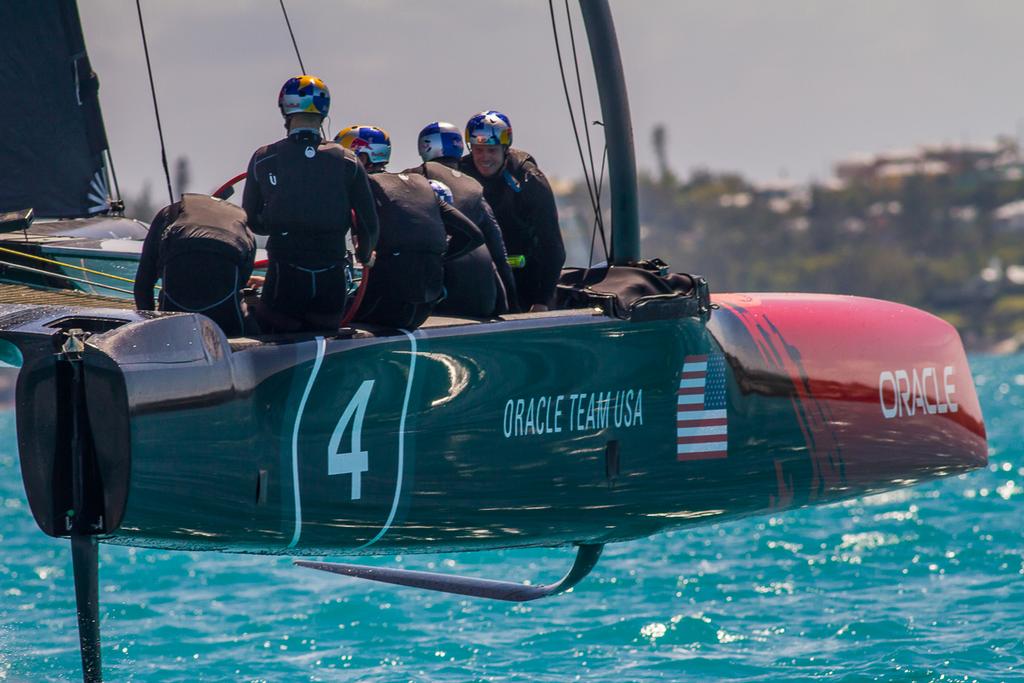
<point>598,215</point>
<point>292,34</point>
<point>568,102</point>
<point>113,172</point>
<point>54,262</point>
<point>50,273</point>
<point>302,66</point>
<point>593,234</point>
<point>590,257</point>
<point>152,89</point>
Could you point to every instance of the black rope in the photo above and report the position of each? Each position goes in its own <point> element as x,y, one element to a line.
<point>593,234</point>
<point>583,103</point>
<point>152,89</point>
<point>292,34</point>
<point>575,128</point>
<point>113,173</point>
<point>598,213</point>
<point>302,66</point>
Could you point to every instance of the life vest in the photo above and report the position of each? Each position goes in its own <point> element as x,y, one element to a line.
<point>205,224</point>
<point>511,203</point>
<point>412,242</point>
<point>304,198</point>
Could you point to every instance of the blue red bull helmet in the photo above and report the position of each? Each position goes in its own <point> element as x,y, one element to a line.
<point>440,139</point>
<point>442,191</point>
<point>489,128</point>
<point>304,95</point>
<point>372,141</point>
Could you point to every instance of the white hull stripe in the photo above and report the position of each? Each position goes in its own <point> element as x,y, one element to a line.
<point>321,347</point>
<point>701,415</point>
<point>702,447</point>
<point>401,442</point>
<point>701,431</point>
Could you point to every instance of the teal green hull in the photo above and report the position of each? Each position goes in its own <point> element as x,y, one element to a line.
<point>538,430</point>
<point>481,438</point>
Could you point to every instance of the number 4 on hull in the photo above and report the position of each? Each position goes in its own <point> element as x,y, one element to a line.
<point>356,461</point>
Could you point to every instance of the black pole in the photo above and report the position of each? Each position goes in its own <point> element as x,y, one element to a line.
<point>85,564</point>
<point>85,560</point>
<point>618,130</point>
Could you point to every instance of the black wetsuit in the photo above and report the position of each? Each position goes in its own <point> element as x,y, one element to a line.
<point>302,192</point>
<point>479,284</point>
<point>408,278</point>
<point>525,208</point>
<point>202,251</point>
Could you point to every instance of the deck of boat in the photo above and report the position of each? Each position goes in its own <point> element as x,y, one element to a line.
<point>23,294</point>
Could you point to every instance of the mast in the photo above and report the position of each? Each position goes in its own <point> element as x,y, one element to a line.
<point>618,130</point>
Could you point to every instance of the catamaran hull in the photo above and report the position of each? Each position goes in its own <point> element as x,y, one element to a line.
<point>540,430</point>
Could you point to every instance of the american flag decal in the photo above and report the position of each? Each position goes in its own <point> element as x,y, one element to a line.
<point>701,423</point>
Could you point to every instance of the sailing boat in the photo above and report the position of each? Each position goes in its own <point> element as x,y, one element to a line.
<point>617,418</point>
<point>59,227</point>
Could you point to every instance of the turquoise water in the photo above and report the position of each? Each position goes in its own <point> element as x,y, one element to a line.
<point>923,584</point>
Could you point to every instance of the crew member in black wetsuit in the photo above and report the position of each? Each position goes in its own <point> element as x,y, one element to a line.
<point>303,192</point>
<point>479,284</point>
<point>202,251</point>
<point>523,204</point>
<point>408,279</point>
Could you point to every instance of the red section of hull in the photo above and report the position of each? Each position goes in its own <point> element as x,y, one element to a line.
<point>882,392</point>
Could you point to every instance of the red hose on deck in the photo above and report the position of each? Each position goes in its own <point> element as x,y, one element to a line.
<point>354,308</point>
<point>229,184</point>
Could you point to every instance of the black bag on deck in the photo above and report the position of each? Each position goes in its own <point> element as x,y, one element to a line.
<point>644,290</point>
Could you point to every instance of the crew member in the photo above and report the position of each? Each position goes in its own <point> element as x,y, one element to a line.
<point>479,284</point>
<point>303,192</point>
<point>523,204</point>
<point>202,251</point>
<point>408,278</point>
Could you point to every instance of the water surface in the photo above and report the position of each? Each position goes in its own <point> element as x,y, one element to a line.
<point>923,584</point>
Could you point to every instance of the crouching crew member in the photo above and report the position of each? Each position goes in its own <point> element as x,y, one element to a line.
<point>302,192</point>
<point>523,204</point>
<point>202,251</point>
<point>408,278</point>
<point>479,284</point>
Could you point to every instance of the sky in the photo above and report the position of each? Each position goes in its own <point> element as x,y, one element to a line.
<point>772,90</point>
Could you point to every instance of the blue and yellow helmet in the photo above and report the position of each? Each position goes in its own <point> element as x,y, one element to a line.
<point>442,191</point>
<point>372,141</point>
<point>489,128</point>
<point>440,139</point>
<point>304,95</point>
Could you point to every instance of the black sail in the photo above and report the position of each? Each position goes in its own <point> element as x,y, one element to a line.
<point>52,141</point>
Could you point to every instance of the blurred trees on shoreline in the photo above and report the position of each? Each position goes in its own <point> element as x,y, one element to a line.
<point>923,239</point>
